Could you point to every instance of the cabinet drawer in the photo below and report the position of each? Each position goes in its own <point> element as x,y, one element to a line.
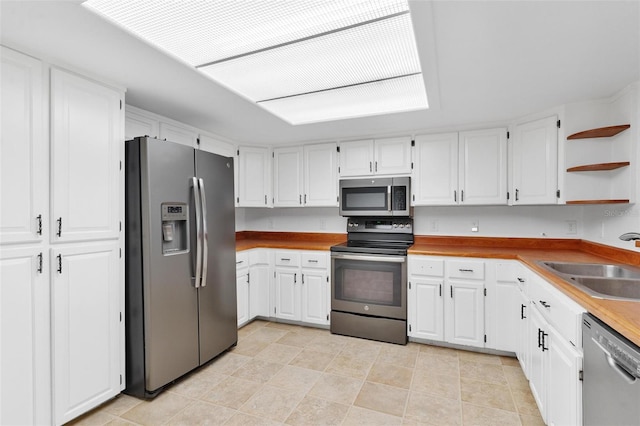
<point>287,258</point>
<point>259,256</point>
<point>426,266</point>
<point>314,260</point>
<point>242,259</point>
<point>466,269</point>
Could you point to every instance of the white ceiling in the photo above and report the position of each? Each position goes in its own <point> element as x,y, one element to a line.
<point>484,62</point>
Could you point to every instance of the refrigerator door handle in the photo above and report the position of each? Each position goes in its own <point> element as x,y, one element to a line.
<point>205,235</point>
<point>196,198</point>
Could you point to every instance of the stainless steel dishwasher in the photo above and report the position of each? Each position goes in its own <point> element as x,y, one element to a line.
<point>611,386</point>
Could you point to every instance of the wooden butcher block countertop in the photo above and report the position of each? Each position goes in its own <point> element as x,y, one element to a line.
<point>621,315</point>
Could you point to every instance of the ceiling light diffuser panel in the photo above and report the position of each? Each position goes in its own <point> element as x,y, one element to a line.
<point>292,57</point>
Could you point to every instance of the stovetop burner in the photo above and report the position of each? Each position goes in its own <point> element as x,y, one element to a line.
<point>377,236</point>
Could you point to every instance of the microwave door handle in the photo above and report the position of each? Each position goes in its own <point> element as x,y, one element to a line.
<point>205,235</point>
<point>389,198</point>
<point>196,198</point>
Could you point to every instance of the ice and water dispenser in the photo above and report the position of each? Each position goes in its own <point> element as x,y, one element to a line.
<point>175,227</point>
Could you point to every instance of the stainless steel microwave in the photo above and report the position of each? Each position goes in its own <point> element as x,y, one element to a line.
<point>375,197</point>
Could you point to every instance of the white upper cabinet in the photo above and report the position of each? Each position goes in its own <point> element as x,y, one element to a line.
<point>138,124</point>
<point>435,172</point>
<point>23,151</point>
<point>320,175</point>
<point>180,134</point>
<point>287,177</point>
<point>535,162</point>
<point>483,167</point>
<point>371,157</point>
<point>254,177</point>
<point>212,144</point>
<point>86,158</point>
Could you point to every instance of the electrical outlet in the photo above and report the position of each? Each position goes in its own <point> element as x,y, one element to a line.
<point>434,226</point>
<point>571,227</point>
<point>475,225</point>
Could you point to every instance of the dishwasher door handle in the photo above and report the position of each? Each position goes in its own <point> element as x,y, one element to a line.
<point>628,377</point>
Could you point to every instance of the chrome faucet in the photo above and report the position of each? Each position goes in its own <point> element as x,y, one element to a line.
<point>630,236</point>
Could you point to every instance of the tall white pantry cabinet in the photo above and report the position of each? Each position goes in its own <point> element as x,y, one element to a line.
<point>61,264</point>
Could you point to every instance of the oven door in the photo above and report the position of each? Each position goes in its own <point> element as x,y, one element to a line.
<point>374,285</point>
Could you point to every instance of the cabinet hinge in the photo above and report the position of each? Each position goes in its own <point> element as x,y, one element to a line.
<point>412,165</point>
<point>248,277</point>
<point>274,310</point>
<point>197,141</point>
<point>338,199</point>
<point>558,124</point>
<point>327,278</point>
<point>337,149</point>
<point>508,134</point>
<point>120,316</point>
<point>237,199</point>
<point>409,327</point>
<point>581,372</point>
<point>338,169</point>
<point>273,155</point>
<point>413,197</point>
<point>121,165</point>
<point>120,103</point>
<point>121,379</point>
<point>485,338</point>
<point>327,317</point>
<point>120,253</point>
<point>558,193</point>
<point>507,195</point>
<point>238,152</point>
<point>409,285</point>
<point>120,226</point>
<point>413,142</point>
<point>485,292</point>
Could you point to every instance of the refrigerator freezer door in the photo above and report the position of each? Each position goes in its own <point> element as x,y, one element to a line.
<point>170,297</point>
<point>217,297</point>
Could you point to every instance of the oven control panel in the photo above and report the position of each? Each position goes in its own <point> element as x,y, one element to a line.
<point>403,225</point>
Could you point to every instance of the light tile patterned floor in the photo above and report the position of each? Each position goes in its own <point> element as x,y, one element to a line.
<point>280,373</point>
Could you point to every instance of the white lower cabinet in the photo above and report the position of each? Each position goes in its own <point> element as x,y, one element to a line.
<point>316,294</point>
<point>288,294</point>
<point>86,320</point>
<point>259,281</point>
<point>446,300</point>
<point>504,278</point>
<point>24,327</point>
<point>242,287</point>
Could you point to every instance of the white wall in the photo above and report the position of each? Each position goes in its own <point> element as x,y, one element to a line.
<point>519,221</point>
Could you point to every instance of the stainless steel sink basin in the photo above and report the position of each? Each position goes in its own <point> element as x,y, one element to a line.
<point>610,288</point>
<point>594,269</point>
<point>605,281</point>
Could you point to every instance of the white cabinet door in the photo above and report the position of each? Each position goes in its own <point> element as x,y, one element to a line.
<point>24,337</point>
<point>538,360</point>
<point>259,291</point>
<point>483,167</point>
<point>178,134</point>
<point>564,396</point>
<point>524,342</point>
<point>314,297</point>
<point>435,172</point>
<point>23,150</point>
<point>254,177</point>
<point>356,158</point>
<point>85,327</point>
<point>502,312</point>
<point>211,144</point>
<point>392,156</point>
<point>86,154</point>
<point>535,162</point>
<point>426,308</point>
<point>136,124</point>
<point>320,175</point>
<point>464,313</point>
<point>287,177</point>
<point>288,294</point>
<point>242,294</point>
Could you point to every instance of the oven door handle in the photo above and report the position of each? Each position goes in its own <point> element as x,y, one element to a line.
<point>393,259</point>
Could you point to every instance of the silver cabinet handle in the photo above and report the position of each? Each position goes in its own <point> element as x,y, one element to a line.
<point>282,259</point>
<point>196,197</point>
<point>205,235</point>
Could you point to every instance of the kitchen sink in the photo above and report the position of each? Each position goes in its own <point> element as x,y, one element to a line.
<point>594,269</point>
<point>601,280</point>
<point>610,288</point>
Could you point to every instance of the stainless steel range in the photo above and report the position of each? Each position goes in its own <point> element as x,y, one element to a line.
<point>369,279</point>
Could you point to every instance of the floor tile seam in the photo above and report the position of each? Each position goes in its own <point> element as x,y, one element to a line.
<point>493,408</point>
<point>484,381</point>
<point>316,397</point>
<point>193,402</point>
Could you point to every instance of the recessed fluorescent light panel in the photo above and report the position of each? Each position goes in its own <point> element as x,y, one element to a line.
<point>305,61</point>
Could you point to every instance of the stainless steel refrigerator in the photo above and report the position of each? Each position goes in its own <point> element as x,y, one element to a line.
<point>180,262</point>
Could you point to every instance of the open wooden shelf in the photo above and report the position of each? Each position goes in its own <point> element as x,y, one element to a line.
<point>598,202</point>
<point>598,167</point>
<point>600,132</point>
